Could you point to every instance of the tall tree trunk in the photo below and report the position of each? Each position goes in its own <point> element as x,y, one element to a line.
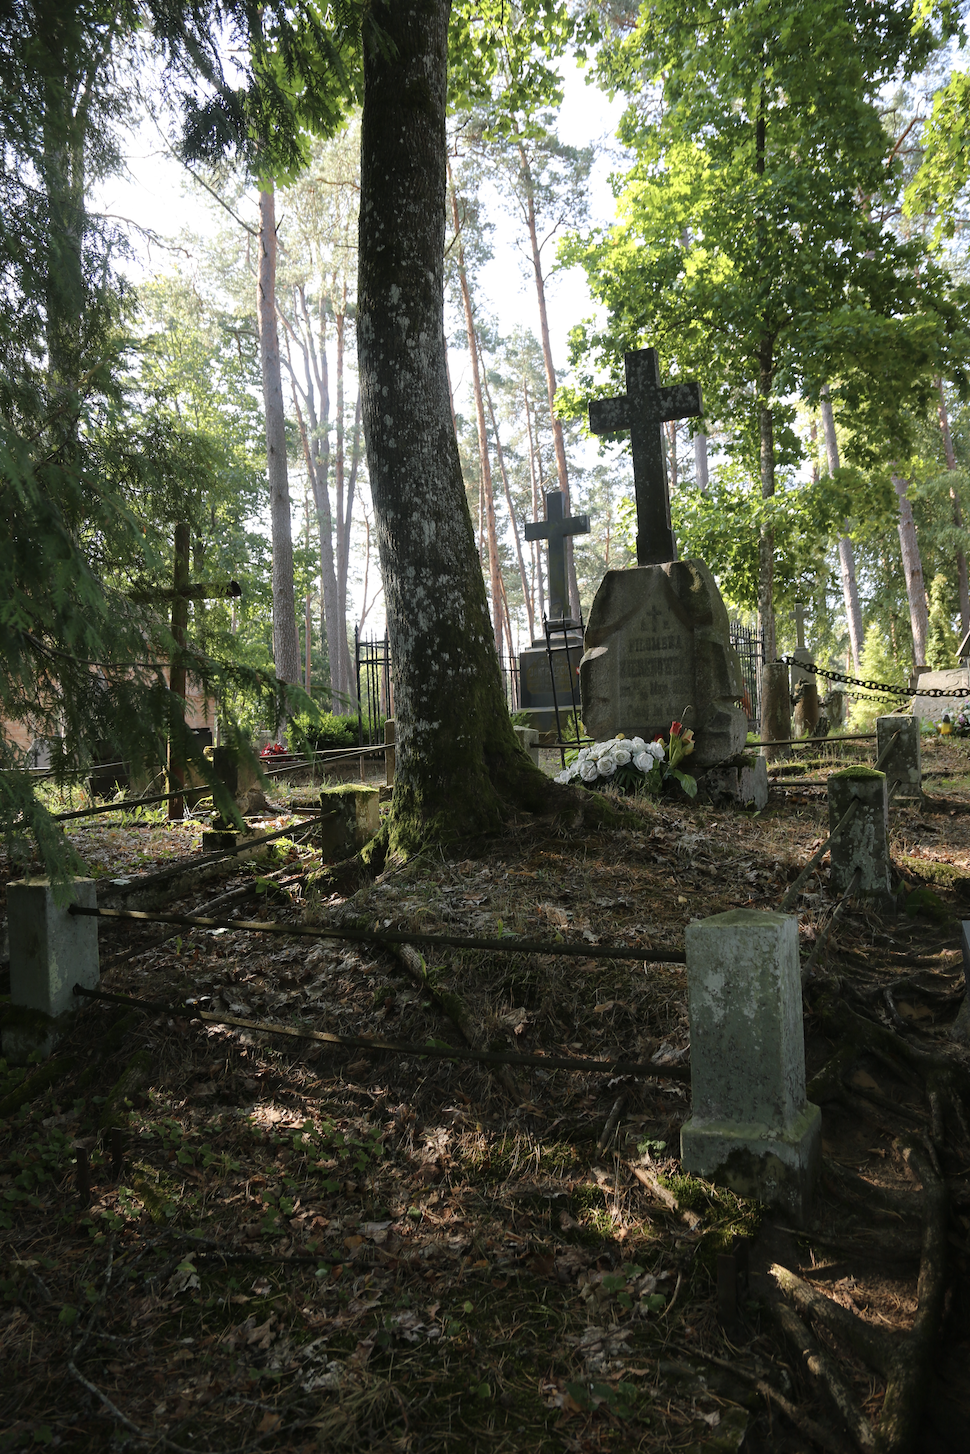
<point>559,443</point>
<point>344,557</point>
<point>286,649</point>
<point>961,558</point>
<point>700,462</point>
<point>850,588</point>
<point>484,460</point>
<point>535,472</point>
<point>458,761</point>
<point>766,432</point>
<point>913,572</point>
<point>500,453</point>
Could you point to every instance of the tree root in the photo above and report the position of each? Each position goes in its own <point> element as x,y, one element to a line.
<point>454,1008</point>
<point>903,1361</point>
<point>825,1371</point>
<point>870,1343</point>
<point>909,1374</point>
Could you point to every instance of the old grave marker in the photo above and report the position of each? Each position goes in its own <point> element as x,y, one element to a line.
<point>658,645</point>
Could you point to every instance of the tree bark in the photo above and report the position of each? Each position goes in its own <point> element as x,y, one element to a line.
<point>951,463</point>
<point>913,572</point>
<point>458,761</point>
<point>286,649</point>
<point>850,588</point>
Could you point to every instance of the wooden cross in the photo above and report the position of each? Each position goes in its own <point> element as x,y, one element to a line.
<point>643,409</point>
<point>180,593</point>
<point>555,528</point>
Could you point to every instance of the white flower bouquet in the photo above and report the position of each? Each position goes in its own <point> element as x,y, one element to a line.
<point>632,764</point>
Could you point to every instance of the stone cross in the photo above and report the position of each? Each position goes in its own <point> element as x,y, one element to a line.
<point>555,528</point>
<point>643,409</point>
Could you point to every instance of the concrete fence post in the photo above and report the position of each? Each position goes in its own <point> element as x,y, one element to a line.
<point>390,751</point>
<point>751,1127</point>
<point>529,742</point>
<point>863,843</point>
<point>776,709</point>
<point>903,765</point>
<point>51,950</point>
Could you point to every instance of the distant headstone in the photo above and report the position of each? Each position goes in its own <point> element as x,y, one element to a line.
<point>658,645</point>
<point>804,683</point>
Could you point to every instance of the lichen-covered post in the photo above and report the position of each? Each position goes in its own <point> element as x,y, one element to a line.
<point>51,951</point>
<point>350,817</point>
<point>863,842</point>
<point>903,764</point>
<point>751,1127</point>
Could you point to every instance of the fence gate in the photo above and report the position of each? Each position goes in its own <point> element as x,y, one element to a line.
<point>375,689</point>
<point>749,643</point>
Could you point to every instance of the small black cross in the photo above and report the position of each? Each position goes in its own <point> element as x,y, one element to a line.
<point>644,407</point>
<point>555,529</point>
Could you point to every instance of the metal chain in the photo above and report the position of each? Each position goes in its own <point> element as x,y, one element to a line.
<point>838,676</point>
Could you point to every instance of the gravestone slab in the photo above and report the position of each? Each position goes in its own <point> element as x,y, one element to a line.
<point>536,679</point>
<point>751,1127</point>
<point>658,650</point>
<point>956,680</point>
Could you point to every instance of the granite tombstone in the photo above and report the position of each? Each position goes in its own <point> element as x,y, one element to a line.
<point>658,645</point>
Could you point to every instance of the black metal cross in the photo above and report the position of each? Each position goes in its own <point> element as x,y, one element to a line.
<point>644,407</point>
<point>555,528</point>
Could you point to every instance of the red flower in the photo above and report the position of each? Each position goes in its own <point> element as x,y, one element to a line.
<point>676,728</point>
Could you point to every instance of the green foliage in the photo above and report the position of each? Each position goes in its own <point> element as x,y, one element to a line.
<point>942,640</point>
<point>328,729</point>
<point>880,662</point>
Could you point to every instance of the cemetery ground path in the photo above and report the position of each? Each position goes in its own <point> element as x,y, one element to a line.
<point>310,1247</point>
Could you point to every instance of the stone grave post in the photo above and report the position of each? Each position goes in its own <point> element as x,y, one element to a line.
<point>51,950</point>
<point>903,765</point>
<point>658,645</point>
<point>863,843</point>
<point>751,1127</point>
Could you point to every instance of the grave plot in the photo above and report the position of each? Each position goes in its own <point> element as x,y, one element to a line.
<point>220,1237</point>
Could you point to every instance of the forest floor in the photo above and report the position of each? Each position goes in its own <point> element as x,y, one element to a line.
<point>305,1246</point>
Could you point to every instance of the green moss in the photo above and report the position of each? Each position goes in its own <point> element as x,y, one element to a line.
<point>860,772</point>
<point>947,874</point>
<point>349,790</point>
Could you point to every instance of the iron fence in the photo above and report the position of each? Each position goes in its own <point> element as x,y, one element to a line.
<point>375,686</point>
<point>749,643</point>
<point>375,680</point>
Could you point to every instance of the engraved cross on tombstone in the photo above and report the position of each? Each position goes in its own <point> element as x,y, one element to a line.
<point>555,528</point>
<point>643,409</point>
